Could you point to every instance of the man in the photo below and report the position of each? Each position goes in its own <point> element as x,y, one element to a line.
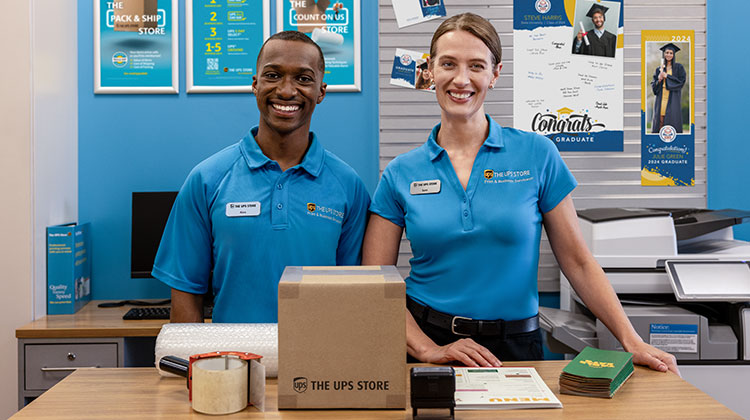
<point>274,199</point>
<point>600,42</point>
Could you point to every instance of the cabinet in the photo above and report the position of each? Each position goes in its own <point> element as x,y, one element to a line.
<point>52,347</point>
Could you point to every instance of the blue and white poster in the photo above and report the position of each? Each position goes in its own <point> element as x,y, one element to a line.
<point>135,46</point>
<point>223,41</point>
<point>411,12</point>
<point>335,26</point>
<point>568,72</point>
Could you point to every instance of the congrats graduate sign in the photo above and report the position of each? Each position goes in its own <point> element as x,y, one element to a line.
<point>334,26</point>
<point>567,75</point>
<point>135,46</point>
<point>667,108</point>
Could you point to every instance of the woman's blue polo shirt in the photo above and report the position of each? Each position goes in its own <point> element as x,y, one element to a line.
<point>476,251</point>
<point>239,215</point>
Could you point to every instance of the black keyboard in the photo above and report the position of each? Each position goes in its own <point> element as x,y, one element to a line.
<point>160,312</point>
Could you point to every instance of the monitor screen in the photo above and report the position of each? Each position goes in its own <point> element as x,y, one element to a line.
<point>149,216</point>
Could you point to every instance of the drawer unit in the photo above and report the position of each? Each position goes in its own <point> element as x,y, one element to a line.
<point>47,364</point>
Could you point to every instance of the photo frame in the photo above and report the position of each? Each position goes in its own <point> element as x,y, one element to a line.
<point>335,26</point>
<point>136,46</point>
<point>221,57</point>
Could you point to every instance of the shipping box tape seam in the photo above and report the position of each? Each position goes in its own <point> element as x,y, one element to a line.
<point>342,338</point>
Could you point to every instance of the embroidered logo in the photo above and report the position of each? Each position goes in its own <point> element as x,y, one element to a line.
<point>329,213</point>
<point>311,207</point>
<point>492,176</point>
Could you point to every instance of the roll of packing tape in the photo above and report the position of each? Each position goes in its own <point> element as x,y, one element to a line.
<point>322,36</point>
<point>219,385</point>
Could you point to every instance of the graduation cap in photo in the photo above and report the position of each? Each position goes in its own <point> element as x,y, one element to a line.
<point>670,46</point>
<point>597,8</point>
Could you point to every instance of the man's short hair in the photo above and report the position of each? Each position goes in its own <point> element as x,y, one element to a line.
<point>294,36</point>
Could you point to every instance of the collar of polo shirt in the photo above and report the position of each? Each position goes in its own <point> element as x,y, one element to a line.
<point>312,162</point>
<point>494,138</point>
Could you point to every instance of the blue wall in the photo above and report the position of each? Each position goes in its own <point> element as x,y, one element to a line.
<point>728,141</point>
<point>150,142</point>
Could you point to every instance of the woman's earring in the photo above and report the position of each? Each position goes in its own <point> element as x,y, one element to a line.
<point>492,85</point>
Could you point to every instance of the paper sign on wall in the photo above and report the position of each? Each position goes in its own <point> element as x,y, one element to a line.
<point>667,108</point>
<point>568,72</point>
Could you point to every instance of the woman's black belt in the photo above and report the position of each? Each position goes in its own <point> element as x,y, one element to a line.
<point>460,325</point>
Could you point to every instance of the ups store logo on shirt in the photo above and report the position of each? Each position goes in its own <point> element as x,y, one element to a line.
<point>329,213</point>
<point>597,364</point>
<point>492,176</point>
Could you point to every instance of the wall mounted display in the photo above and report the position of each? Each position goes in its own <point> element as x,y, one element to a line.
<point>409,68</point>
<point>667,108</point>
<point>223,38</point>
<point>411,12</point>
<point>335,26</point>
<point>568,72</point>
<point>135,46</point>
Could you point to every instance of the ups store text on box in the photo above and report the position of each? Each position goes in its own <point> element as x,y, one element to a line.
<point>342,338</point>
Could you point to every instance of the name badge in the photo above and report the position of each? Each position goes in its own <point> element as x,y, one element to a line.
<point>250,208</point>
<point>425,187</point>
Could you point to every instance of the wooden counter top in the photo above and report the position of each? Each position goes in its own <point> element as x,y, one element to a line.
<point>138,393</point>
<point>91,321</point>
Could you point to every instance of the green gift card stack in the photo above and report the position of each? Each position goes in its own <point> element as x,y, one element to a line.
<point>596,373</point>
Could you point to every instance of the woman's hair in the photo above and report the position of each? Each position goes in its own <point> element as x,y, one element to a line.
<point>475,25</point>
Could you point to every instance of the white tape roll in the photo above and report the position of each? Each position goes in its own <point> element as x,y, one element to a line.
<point>323,36</point>
<point>185,340</point>
<point>219,385</point>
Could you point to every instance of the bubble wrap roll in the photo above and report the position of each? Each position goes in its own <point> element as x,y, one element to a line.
<point>184,340</point>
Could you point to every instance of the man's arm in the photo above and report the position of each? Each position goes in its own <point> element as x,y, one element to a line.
<point>186,307</point>
<point>381,248</point>
<point>591,284</point>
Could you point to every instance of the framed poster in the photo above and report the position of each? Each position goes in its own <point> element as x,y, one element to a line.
<point>568,72</point>
<point>668,108</point>
<point>223,38</point>
<point>135,46</point>
<point>335,26</point>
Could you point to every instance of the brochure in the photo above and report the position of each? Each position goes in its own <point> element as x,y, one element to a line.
<point>502,388</point>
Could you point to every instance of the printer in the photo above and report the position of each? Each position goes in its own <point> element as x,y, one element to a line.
<point>683,280</point>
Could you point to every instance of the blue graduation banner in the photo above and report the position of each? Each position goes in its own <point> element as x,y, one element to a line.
<point>135,46</point>
<point>567,88</point>
<point>667,108</point>
<point>223,41</point>
<point>335,26</point>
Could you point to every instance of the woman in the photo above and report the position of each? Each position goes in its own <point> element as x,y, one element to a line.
<point>472,200</point>
<point>669,78</point>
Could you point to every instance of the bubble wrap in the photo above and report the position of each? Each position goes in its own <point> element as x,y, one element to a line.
<point>184,340</point>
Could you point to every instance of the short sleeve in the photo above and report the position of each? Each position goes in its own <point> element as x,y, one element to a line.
<point>184,259</point>
<point>386,202</point>
<point>349,251</point>
<point>555,179</point>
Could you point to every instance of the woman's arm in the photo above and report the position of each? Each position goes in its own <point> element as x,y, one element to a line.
<point>656,83</point>
<point>677,79</point>
<point>591,284</point>
<point>380,247</point>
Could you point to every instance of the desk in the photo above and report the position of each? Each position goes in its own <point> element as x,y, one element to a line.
<point>52,346</point>
<point>138,393</point>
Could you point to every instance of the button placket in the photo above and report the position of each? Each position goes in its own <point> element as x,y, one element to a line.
<point>279,203</point>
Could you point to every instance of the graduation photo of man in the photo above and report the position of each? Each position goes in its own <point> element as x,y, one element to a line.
<point>596,40</point>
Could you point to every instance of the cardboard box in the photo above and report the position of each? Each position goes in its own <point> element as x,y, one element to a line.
<point>68,268</point>
<point>131,15</point>
<point>342,338</point>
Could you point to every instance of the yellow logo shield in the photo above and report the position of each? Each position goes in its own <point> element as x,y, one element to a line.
<point>311,207</point>
<point>489,173</point>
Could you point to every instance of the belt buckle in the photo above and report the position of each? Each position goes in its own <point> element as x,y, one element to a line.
<point>453,325</point>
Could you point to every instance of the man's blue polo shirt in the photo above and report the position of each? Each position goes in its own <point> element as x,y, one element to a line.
<point>476,251</point>
<point>239,215</point>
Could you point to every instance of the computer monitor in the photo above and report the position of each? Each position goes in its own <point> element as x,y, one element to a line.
<point>149,217</point>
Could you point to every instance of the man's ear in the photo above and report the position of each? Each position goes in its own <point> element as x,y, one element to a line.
<point>254,85</point>
<point>322,95</point>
